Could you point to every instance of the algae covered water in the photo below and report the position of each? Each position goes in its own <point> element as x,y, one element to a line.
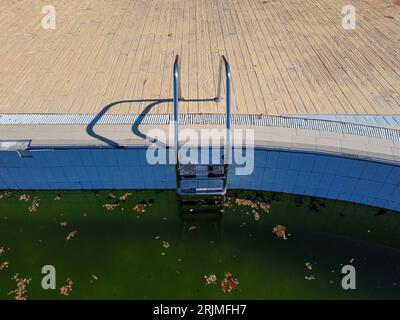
<point>136,245</point>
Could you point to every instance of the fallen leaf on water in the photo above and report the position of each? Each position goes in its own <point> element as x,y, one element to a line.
<point>228,205</point>
<point>246,202</point>
<point>109,206</point>
<point>34,205</point>
<point>71,235</point>
<point>24,197</point>
<point>256,215</point>
<point>20,291</point>
<point>229,284</point>
<point>93,278</point>
<point>125,196</point>
<point>65,290</point>
<point>265,206</point>
<point>140,208</point>
<point>166,244</point>
<point>211,279</point>
<point>280,231</point>
<point>5,195</point>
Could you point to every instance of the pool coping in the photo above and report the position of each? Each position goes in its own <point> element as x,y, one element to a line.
<point>122,136</point>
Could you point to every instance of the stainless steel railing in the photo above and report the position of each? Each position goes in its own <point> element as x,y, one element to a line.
<point>178,95</point>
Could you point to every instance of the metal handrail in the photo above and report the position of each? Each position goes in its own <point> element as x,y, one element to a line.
<point>177,97</point>
<point>224,63</point>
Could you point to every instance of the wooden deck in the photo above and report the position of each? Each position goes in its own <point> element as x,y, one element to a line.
<point>287,56</point>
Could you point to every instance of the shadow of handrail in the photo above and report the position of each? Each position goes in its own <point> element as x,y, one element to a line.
<point>135,126</point>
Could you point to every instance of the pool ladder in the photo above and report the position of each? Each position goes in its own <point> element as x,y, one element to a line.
<point>203,184</point>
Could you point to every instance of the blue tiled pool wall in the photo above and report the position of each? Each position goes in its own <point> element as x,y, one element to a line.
<point>303,173</point>
<point>90,168</point>
<point>328,176</point>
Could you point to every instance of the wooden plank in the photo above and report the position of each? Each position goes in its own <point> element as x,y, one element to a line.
<point>286,56</point>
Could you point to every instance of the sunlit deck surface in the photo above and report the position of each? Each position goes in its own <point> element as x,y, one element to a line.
<point>287,56</point>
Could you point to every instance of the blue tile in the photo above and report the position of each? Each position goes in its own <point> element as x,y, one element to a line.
<point>343,166</point>
<point>283,160</point>
<point>308,162</point>
<point>302,178</point>
<point>394,176</point>
<point>272,159</point>
<point>320,164</point>
<point>296,160</point>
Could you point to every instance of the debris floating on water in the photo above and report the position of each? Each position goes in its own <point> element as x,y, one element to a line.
<point>192,228</point>
<point>280,231</point>
<point>65,290</point>
<point>211,279</point>
<point>309,265</point>
<point>125,196</point>
<point>254,206</point>
<point>34,205</point>
<point>110,206</point>
<point>24,197</point>
<point>3,265</point>
<point>20,291</point>
<point>140,208</point>
<point>165,244</point>
<point>310,278</point>
<point>246,202</point>
<point>228,204</point>
<point>5,195</point>
<point>265,206</point>
<point>71,235</point>
<point>64,224</point>
<point>255,215</point>
<point>112,196</point>
<point>93,278</point>
<point>229,284</point>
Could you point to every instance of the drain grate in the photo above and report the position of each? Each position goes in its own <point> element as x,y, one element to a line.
<point>192,119</point>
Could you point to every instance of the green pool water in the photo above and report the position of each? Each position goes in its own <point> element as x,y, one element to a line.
<point>119,254</point>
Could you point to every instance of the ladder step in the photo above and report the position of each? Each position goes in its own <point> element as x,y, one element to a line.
<point>203,171</point>
<point>209,192</point>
